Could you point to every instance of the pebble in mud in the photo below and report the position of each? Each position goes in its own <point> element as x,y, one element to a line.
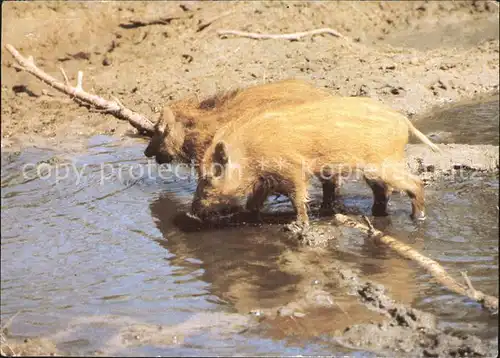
<point>314,298</point>
<point>286,311</point>
<point>106,61</point>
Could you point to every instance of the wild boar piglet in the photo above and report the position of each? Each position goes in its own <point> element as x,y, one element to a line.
<point>279,150</point>
<point>186,127</point>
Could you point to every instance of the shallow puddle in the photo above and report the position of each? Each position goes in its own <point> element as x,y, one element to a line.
<point>92,258</point>
<point>471,122</point>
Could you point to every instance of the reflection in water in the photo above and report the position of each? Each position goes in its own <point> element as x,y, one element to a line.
<point>242,255</point>
<point>260,268</point>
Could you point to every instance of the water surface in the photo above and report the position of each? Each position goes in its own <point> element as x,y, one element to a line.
<point>470,122</point>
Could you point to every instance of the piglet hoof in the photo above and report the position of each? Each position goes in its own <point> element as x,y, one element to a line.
<point>327,209</point>
<point>419,217</point>
<point>194,217</point>
<point>256,217</point>
<point>296,228</point>
<point>379,210</point>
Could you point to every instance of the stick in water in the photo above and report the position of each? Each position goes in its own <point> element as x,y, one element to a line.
<point>434,268</point>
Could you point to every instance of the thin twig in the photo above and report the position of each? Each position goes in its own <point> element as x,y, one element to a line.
<point>79,81</point>
<point>9,321</point>
<point>369,223</point>
<point>115,108</point>
<point>118,101</point>
<point>291,36</point>
<point>434,268</point>
<point>467,280</point>
<point>339,306</point>
<point>66,80</point>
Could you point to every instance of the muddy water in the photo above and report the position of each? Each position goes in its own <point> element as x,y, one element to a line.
<point>471,122</point>
<point>94,258</point>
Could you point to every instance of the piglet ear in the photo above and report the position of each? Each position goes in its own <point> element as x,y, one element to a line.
<point>165,121</point>
<point>220,154</point>
<point>167,116</point>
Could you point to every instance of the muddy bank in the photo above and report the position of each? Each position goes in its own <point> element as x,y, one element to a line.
<point>397,327</point>
<point>454,158</point>
<point>380,58</point>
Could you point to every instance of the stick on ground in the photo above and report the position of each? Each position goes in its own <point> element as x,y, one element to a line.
<point>431,266</point>
<point>292,36</point>
<point>77,93</point>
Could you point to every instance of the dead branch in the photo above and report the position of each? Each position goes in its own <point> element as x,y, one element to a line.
<point>77,93</point>
<point>434,268</point>
<point>292,36</point>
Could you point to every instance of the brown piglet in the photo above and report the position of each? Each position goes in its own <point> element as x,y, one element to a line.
<point>279,150</point>
<point>186,127</point>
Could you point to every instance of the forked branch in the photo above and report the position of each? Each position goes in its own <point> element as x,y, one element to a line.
<point>77,93</point>
<point>431,266</point>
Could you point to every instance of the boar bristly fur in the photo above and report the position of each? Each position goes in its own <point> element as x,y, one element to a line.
<point>185,128</point>
<point>278,151</point>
